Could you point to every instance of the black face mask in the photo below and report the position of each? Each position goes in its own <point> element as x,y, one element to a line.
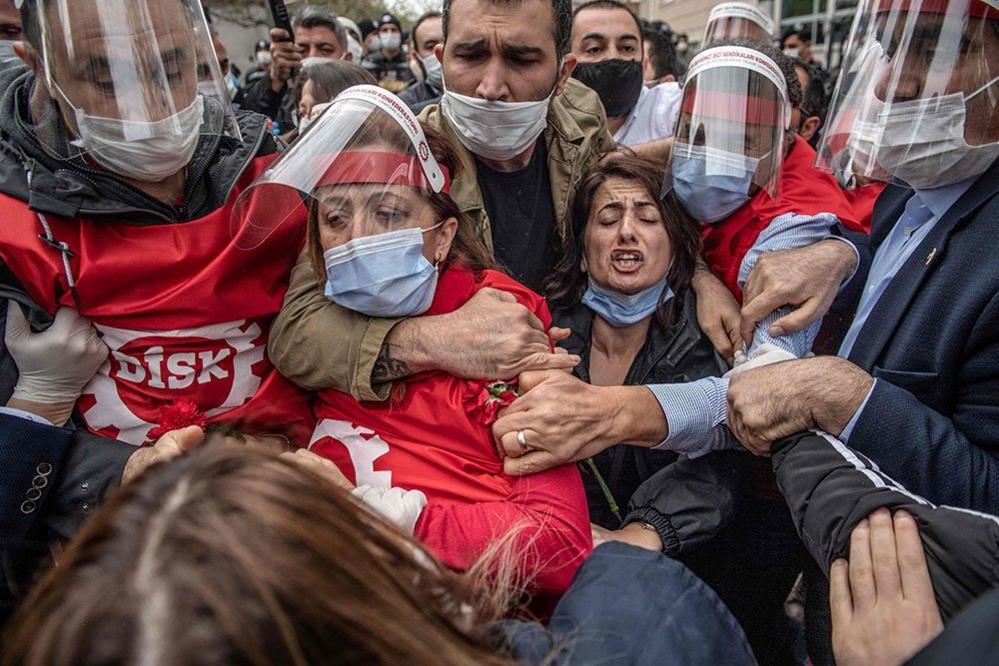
<point>617,82</point>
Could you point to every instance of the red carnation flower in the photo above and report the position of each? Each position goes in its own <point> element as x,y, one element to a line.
<point>176,415</point>
<point>484,399</point>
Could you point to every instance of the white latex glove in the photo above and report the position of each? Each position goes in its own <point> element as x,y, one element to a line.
<point>56,364</point>
<point>400,507</point>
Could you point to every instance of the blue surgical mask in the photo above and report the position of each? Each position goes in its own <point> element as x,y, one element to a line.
<point>710,183</point>
<point>385,275</point>
<point>7,52</point>
<point>620,310</point>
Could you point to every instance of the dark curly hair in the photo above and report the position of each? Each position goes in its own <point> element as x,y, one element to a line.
<point>567,283</point>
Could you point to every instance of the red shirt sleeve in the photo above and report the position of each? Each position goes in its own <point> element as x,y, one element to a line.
<point>546,515</point>
<point>530,300</point>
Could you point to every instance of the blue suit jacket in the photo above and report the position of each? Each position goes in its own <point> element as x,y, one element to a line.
<point>932,340</point>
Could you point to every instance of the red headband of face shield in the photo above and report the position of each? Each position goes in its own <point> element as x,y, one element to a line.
<point>382,167</point>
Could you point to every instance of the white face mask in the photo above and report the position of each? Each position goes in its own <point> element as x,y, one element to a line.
<point>207,89</point>
<point>314,113</point>
<point>355,49</point>
<point>792,53</point>
<point>313,61</point>
<point>435,73</point>
<point>390,41</point>
<point>263,58</point>
<point>922,141</point>
<point>495,130</point>
<point>146,151</point>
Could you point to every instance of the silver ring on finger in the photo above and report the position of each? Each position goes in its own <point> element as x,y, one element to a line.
<point>522,441</point>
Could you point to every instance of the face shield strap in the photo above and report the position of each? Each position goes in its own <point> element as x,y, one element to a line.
<point>739,10</point>
<point>390,104</point>
<point>743,58</point>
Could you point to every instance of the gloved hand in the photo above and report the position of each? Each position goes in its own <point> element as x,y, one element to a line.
<point>400,507</point>
<point>56,364</point>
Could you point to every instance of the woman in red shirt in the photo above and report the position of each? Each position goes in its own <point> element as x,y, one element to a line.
<point>386,240</point>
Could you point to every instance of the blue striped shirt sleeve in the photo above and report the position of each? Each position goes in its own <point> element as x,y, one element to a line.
<point>788,232</point>
<point>695,414</point>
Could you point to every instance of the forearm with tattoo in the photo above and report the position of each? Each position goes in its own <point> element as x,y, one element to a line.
<point>387,368</point>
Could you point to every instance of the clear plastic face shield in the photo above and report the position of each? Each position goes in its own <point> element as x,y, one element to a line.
<point>917,102</point>
<point>125,76</point>
<point>363,169</point>
<point>731,130</point>
<point>738,20</point>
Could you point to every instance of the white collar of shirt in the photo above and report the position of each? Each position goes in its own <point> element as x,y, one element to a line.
<point>623,129</point>
<point>653,116</point>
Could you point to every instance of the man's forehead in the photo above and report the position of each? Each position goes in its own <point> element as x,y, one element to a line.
<point>518,22</point>
<point>430,28</point>
<point>128,44</point>
<point>610,23</point>
<point>319,33</point>
<point>116,18</point>
<point>80,28</point>
<point>725,125</point>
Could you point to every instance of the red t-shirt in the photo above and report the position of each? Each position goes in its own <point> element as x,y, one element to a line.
<point>862,199</point>
<point>432,439</point>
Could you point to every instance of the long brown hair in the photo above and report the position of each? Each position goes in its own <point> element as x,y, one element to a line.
<point>234,555</point>
<point>567,283</point>
<point>466,249</point>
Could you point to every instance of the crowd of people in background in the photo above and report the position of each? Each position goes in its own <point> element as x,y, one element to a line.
<point>526,331</point>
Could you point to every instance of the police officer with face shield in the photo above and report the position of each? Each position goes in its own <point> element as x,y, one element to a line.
<point>115,171</point>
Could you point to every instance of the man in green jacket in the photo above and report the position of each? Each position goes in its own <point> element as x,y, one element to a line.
<point>521,166</point>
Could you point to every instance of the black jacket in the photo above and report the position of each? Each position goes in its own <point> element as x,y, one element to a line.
<point>830,489</point>
<point>396,69</point>
<point>420,95</point>
<point>972,636</point>
<point>681,354</point>
<point>84,467</point>
<point>279,106</point>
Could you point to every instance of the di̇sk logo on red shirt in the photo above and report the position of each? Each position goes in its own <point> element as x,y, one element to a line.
<point>210,365</point>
